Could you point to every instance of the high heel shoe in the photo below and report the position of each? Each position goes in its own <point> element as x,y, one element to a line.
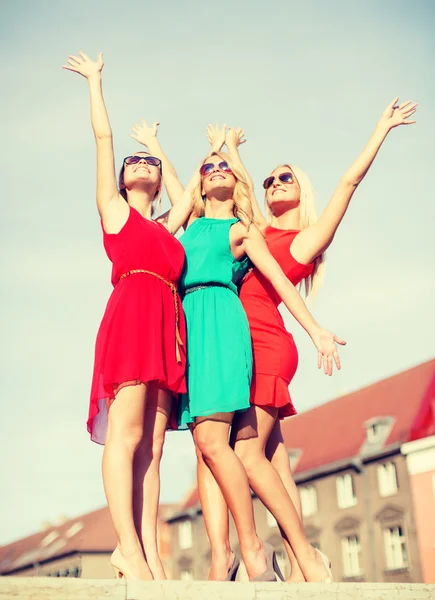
<point>327,565</point>
<point>271,566</point>
<point>232,571</point>
<point>120,566</point>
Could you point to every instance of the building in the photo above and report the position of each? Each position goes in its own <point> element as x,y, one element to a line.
<point>78,547</point>
<point>364,464</point>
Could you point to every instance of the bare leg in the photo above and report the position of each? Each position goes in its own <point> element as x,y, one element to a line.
<point>267,484</point>
<point>215,512</point>
<point>124,433</point>
<point>146,474</point>
<point>211,437</point>
<point>276,453</point>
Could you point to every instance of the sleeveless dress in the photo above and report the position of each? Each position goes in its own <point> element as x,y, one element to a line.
<point>219,354</point>
<point>275,352</point>
<point>136,341</point>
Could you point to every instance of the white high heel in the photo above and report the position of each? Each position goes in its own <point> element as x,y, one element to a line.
<point>327,565</point>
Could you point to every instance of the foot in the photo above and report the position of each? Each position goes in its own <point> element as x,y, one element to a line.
<point>131,566</point>
<point>220,564</point>
<point>314,567</point>
<point>156,568</point>
<point>255,560</point>
<point>296,575</point>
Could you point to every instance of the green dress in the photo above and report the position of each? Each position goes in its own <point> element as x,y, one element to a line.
<point>219,355</point>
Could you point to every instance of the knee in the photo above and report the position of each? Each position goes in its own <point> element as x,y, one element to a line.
<point>130,436</point>
<point>248,457</point>
<point>153,447</point>
<point>208,447</point>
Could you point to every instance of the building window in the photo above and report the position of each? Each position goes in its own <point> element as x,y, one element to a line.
<point>395,548</point>
<point>185,535</point>
<point>186,575</point>
<point>308,496</point>
<point>387,479</point>
<point>351,550</point>
<point>271,521</point>
<point>345,491</point>
<point>375,432</point>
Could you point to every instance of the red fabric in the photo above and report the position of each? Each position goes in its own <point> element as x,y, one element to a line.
<point>275,353</point>
<point>136,339</point>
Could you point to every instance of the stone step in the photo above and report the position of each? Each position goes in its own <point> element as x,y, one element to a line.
<point>46,588</point>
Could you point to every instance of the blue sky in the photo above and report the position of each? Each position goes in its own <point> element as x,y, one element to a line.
<point>308,82</point>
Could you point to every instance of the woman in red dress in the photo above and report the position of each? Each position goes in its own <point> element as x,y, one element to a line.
<point>140,350</point>
<point>297,241</point>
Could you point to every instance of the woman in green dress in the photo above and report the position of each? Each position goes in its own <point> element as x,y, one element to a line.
<point>219,240</point>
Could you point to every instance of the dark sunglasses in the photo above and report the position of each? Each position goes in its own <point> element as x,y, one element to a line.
<point>150,160</point>
<point>284,178</point>
<point>209,167</point>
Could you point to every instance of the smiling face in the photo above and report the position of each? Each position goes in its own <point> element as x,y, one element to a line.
<point>217,180</point>
<point>280,193</point>
<point>140,175</point>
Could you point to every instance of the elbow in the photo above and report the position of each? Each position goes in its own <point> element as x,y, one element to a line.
<point>350,181</point>
<point>103,135</point>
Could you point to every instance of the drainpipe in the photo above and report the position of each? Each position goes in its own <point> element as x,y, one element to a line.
<point>359,467</point>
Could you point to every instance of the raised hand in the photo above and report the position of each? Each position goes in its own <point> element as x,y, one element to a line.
<point>234,137</point>
<point>83,65</point>
<point>216,136</point>
<point>325,342</point>
<point>395,115</point>
<point>144,134</point>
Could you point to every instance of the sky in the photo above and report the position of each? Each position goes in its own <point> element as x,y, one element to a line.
<point>308,82</point>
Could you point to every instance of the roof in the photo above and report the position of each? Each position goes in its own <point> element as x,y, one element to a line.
<point>92,532</point>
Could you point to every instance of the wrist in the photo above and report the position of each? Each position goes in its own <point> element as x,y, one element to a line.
<point>383,128</point>
<point>313,329</point>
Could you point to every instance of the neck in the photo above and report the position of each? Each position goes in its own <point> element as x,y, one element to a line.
<point>141,201</point>
<point>288,219</point>
<point>219,209</point>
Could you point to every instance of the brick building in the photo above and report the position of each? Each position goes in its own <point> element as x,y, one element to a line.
<point>364,464</point>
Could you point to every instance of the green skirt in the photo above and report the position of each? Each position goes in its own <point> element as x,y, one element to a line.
<point>219,355</point>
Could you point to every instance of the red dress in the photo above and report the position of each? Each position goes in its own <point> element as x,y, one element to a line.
<point>275,353</point>
<point>136,341</point>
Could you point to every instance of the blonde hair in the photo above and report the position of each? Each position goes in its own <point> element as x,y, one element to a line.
<point>308,216</point>
<point>157,200</point>
<point>241,197</point>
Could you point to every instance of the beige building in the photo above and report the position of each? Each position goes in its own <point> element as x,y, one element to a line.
<point>361,504</point>
<point>78,547</point>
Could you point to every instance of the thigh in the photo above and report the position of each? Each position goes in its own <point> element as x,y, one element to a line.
<point>128,407</point>
<point>253,428</point>
<point>157,411</point>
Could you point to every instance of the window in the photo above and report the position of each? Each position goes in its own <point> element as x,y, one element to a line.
<point>375,432</point>
<point>185,535</point>
<point>186,575</point>
<point>345,492</point>
<point>308,500</point>
<point>351,550</point>
<point>395,548</point>
<point>271,521</point>
<point>387,479</point>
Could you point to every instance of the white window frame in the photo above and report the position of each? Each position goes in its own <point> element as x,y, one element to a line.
<point>351,553</point>
<point>345,491</point>
<point>308,495</point>
<point>396,553</point>
<point>185,538</point>
<point>387,479</point>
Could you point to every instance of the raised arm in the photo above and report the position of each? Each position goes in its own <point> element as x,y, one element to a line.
<point>147,136</point>
<point>181,212</point>
<point>107,189</point>
<point>315,239</point>
<point>256,248</point>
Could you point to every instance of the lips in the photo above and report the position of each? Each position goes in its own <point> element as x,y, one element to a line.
<point>217,176</point>
<point>277,190</point>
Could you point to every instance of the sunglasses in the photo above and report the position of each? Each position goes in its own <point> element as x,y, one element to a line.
<point>150,160</point>
<point>284,178</point>
<point>207,168</point>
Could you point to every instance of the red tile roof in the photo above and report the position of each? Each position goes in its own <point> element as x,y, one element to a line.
<point>335,431</point>
<point>92,532</point>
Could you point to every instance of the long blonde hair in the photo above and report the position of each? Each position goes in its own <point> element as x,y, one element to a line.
<point>242,204</point>
<point>308,216</point>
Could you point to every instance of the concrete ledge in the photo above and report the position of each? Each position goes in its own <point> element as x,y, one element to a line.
<point>46,588</point>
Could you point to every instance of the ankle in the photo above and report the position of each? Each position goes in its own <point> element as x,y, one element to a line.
<point>251,546</point>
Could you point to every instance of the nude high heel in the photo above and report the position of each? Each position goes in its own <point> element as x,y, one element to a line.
<point>327,564</point>
<point>232,571</point>
<point>271,563</point>
<point>120,567</point>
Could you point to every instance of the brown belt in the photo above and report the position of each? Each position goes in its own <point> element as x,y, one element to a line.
<point>178,340</point>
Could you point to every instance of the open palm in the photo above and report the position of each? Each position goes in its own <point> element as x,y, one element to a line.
<point>83,65</point>
<point>395,115</point>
